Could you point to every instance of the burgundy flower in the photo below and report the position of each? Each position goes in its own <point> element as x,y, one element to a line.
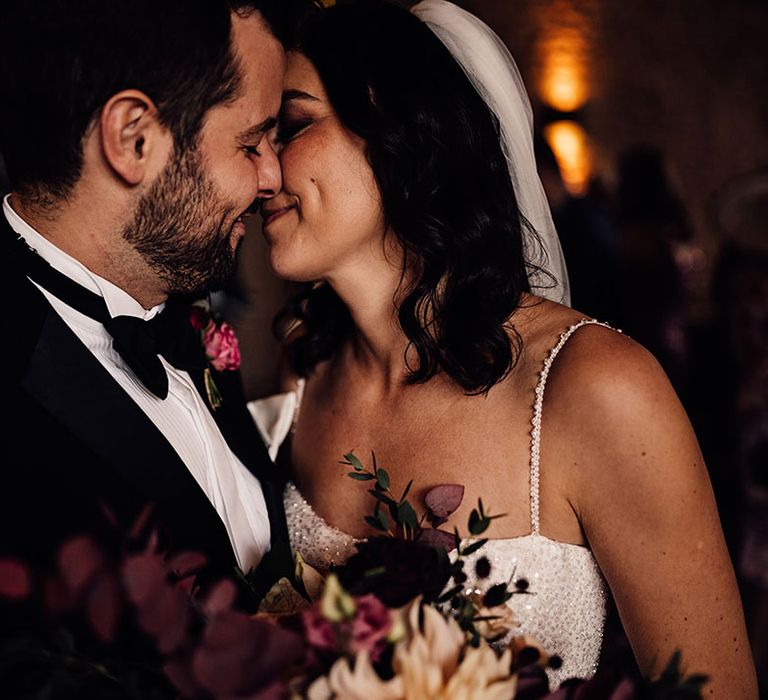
<point>370,626</point>
<point>162,609</point>
<point>403,569</point>
<point>240,655</point>
<point>320,632</point>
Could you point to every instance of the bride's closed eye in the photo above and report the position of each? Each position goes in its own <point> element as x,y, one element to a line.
<point>288,128</point>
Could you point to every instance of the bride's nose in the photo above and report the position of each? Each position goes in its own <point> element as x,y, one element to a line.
<point>270,174</point>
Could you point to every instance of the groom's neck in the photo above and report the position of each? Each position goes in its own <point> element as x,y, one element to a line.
<point>88,227</point>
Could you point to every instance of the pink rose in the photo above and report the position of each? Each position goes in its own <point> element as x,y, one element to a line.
<point>221,347</point>
<point>370,626</point>
<point>320,632</point>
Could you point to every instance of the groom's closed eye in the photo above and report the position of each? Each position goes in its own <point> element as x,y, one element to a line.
<point>251,138</point>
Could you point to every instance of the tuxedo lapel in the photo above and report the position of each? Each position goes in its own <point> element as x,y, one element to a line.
<point>78,391</point>
<point>47,361</point>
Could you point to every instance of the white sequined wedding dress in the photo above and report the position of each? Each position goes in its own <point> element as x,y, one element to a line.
<point>565,610</point>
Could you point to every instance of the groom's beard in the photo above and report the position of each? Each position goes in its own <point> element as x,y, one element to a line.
<point>183,230</point>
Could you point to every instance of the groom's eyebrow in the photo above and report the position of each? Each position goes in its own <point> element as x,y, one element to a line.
<point>254,132</point>
<point>298,95</point>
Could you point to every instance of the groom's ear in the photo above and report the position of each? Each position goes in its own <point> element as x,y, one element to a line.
<point>133,141</point>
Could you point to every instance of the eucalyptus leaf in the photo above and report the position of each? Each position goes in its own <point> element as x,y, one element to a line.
<point>407,489</point>
<point>406,515</point>
<point>445,597</point>
<point>375,523</point>
<point>478,525</point>
<point>354,461</point>
<point>358,476</point>
<point>384,520</point>
<point>471,549</point>
<point>379,496</point>
<point>382,479</point>
<point>496,595</point>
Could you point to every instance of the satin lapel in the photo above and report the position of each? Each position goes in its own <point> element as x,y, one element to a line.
<point>66,378</point>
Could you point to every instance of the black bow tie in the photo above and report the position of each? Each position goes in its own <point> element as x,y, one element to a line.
<point>140,343</point>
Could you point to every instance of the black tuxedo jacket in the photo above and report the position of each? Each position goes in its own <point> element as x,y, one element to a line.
<point>73,441</point>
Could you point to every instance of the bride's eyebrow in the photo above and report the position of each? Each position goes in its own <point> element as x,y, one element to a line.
<point>298,95</point>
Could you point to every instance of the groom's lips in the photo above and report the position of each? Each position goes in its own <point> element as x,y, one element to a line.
<point>271,215</point>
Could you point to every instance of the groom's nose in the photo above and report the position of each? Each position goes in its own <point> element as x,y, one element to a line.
<point>270,174</point>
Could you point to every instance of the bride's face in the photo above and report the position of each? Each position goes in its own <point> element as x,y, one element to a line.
<point>327,220</point>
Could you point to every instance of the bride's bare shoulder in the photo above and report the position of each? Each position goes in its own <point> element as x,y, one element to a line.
<point>601,380</point>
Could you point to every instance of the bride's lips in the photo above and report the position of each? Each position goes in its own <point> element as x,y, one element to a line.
<point>271,215</point>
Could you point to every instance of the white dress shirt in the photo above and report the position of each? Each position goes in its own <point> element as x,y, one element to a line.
<point>183,417</point>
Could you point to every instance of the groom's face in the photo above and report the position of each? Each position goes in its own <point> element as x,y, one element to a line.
<point>189,224</point>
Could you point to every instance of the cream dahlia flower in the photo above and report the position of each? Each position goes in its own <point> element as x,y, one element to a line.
<point>432,662</point>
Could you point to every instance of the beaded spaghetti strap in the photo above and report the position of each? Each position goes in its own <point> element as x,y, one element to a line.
<point>537,411</point>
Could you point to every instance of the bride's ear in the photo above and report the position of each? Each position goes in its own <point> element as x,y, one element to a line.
<point>133,141</point>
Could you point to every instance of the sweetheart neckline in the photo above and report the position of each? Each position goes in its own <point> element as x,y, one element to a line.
<point>467,540</point>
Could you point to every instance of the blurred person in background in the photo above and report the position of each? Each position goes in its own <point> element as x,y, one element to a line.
<point>652,223</point>
<point>588,235</point>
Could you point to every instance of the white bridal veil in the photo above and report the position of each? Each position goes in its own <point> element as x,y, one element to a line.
<point>493,72</point>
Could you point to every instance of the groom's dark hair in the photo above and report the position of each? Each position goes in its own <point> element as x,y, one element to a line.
<point>61,61</point>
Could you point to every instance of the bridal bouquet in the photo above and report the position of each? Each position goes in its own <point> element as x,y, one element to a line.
<point>398,621</point>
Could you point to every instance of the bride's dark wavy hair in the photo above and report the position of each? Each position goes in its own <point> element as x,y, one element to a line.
<point>434,148</point>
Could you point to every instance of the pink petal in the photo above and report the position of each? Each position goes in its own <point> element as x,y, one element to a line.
<point>57,598</point>
<point>15,579</point>
<point>103,607</point>
<point>140,523</point>
<point>240,654</point>
<point>180,674</point>
<point>187,563</point>
<point>165,617</point>
<point>624,691</point>
<point>442,500</point>
<point>80,559</point>
<point>437,539</point>
<point>144,576</point>
<point>221,598</point>
<point>187,585</point>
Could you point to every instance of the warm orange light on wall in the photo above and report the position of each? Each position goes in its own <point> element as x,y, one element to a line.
<point>570,144</point>
<point>563,82</point>
<point>563,47</point>
<point>562,53</point>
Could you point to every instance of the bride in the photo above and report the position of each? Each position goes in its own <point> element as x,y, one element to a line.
<point>434,330</point>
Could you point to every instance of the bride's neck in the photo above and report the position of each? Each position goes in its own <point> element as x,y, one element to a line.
<point>378,344</point>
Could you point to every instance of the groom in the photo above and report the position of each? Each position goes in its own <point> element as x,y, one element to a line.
<point>137,137</point>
